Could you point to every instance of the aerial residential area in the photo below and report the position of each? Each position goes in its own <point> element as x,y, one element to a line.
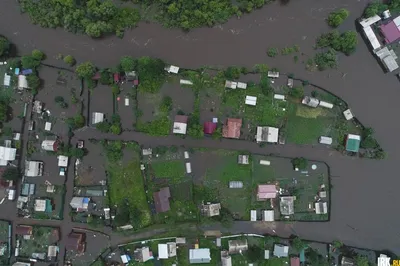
<point>260,133</point>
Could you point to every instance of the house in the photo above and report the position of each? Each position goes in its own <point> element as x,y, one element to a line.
<point>226,260</point>
<point>199,255</point>
<point>209,127</point>
<point>253,215</point>
<point>243,159</point>
<point>37,107</point>
<point>388,58</point>
<point>52,251</point>
<point>251,100</point>
<point>33,168</point>
<point>237,246</point>
<point>167,250</point>
<point>230,84</point>
<point>172,69</point>
<point>43,205</point>
<point>180,124</point>
<point>7,80</point>
<point>310,101</point>
<point>325,104</point>
<point>232,128</point>
<point>391,30</point>
<point>23,230</point>
<point>348,114</point>
<point>321,207</point>
<point>62,161</point>
<point>50,145</point>
<point>281,251</point>
<point>235,184</point>
<point>47,126</point>
<point>286,205</point>
<point>76,242</point>
<point>79,203</point>
<point>295,261</point>
<point>347,262</point>
<point>22,82</point>
<point>7,154</point>
<point>180,240</point>
<point>210,209</point>
<point>161,200</point>
<point>130,76</point>
<point>267,134</point>
<point>242,85</point>
<point>97,118</point>
<point>268,216</point>
<point>142,254</point>
<point>265,192</point>
<point>353,143</point>
<point>273,74</point>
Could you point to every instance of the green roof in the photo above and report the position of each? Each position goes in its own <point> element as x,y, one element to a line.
<point>352,145</point>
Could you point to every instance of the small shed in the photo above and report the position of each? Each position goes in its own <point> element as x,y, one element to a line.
<point>325,140</point>
<point>353,143</point>
<point>97,117</point>
<point>237,246</point>
<point>290,82</point>
<point>230,84</point>
<point>310,101</point>
<point>268,216</point>
<point>253,215</point>
<point>22,82</point>
<point>279,97</point>
<point>199,255</point>
<point>180,124</point>
<point>243,159</point>
<point>117,77</point>
<point>286,205</point>
<point>251,100</point>
<point>281,251</point>
<point>235,184</point>
<point>273,74</point>
<point>47,126</point>
<point>62,161</point>
<point>348,114</point>
<point>267,254</point>
<point>185,82</point>
<point>265,192</point>
<point>188,167</point>
<point>163,251</point>
<point>172,69</point>
<point>325,104</point>
<point>321,207</point>
<point>267,134</point>
<point>52,251</point>
<point>7,80</point>
<point>209,127</point>
<point>242,85</point>
<point>295,261</point>
<point>40,205</point>
<point>211,209</point>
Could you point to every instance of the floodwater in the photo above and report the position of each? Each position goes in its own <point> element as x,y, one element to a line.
<point>364,206</point>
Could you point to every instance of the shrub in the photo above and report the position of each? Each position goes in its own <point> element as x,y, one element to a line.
<point>326,60</point>
<point>4,46</point>
<point>11,174</point>
<point>86,70</point>
<point>232,73</point>
<point>29,62</point>
<point>336,18</point>
<point>297,92</point>
<point>374,8</point>
<point>166,104</point>
<point>128,63</point>
<point>33,81</point>
<point>38,55</point>
<point>300,163</point>
<point>69,60</point>
<point>105,77</point>
<point>272,52</point>
<point>103,126</point>
<point>115,89</point>
<point>345,42</point>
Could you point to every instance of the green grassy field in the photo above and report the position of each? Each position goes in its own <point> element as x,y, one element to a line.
<point>173,170</point>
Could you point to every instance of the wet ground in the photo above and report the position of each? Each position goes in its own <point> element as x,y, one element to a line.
<point>364,191</point>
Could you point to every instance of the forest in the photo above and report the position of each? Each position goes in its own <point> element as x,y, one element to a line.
<point>97,17</point>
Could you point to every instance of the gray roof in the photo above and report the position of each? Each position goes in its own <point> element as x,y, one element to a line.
<point>281,251</point>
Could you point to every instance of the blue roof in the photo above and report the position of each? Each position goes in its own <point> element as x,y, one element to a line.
<point>86,200</point>
<point>302,256</point>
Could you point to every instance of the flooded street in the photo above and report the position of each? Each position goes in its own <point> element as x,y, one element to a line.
<point>364,191</point>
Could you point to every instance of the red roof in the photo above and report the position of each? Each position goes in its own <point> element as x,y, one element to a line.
<point>232,128</point>
<point>181,119</point>
<point>209,127</point>
<point>295,261</point>
<point>390,31</point>
<point>23,230</point>
<point>266,192</point>
<point>76,242</point>
<point>96,76</point>
<point>136,82</point>
<point>161,199</point>
<point>116,77</point>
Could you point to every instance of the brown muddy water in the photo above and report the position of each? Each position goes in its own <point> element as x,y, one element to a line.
<point>364,207</point>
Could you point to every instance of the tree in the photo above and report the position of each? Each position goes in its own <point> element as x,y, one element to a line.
<point>11,174</point>
<point>105,77</point>
<point>362,261</point>
<point>103,126</point>
<point>128,63</point>
<point>115,89</point>
<point>345,43</point>
<point>374,8</point>
<point>298,244</point>
<point>326,60</point>
<point>85,70</point>
<point>69,60</point>
<point>33,81</point>
<point>300,163</point>
<point>38,55</point>
<point>337,244</point>
<point>297,92</point>
<point>272,52</point>
<point>3,111</point>
<point>116,129</point>
<point>4,46</point>
<point>336,18</point>
<point>29,62</point>
<point>254,253</point>
<point>77,153</point>
<point>166,104</point>
<point>232,73</point>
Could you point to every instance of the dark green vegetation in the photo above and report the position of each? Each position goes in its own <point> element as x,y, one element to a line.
<point>336,18</point>
<point>4,46</point>
<point>11,174</point>
<point>377,7</point>
<point>113,126</point>
<point>93,17</point>
<point>345,42</point>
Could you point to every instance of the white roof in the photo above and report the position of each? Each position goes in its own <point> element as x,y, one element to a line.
<point>47,126</point>
<point>179,128</point>
<point>321,207</point>
<point>352,136</point>
<point>32,168</point>
<point>172,69</point>
<point>162,251</point>
<point>370,34</point>
<point>369,21</point>
<point>230,84</point>
<point>279,96</point>
<point>348,115</point>
<point>40,205</point>
<point>242,85</point>
<point>253,215</point>
<point>271,132</point>
<point>62,161</point>
<point>52,251</point>
<point>3,163</point>
<point>390,63</point>
<point>186,82</point>
<point>251,100</point>
<point>48,145</point>
<point>397,21</point>
<point>124,258</point>
<point>7,80</point>
<point>7,154</point>
<point>199,253</point>
<point>22,82</point>
<point>273,74</point>
<point>325,140</point>
<point>268,216</point>
<point>97,117</point>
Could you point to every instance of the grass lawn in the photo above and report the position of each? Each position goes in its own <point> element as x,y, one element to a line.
<point>38,243</point>
<point>173,170</point>
<point>305,124</point>
<point>126,186</point>
<point>236,200</point>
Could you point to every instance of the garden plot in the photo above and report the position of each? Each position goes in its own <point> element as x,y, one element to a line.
<point>101,101</point>
<point>4,242</point>
<point>304,184</point>
<point>91,170</point>
<point>126,105</point>
<point>167,169</point>
<point>60,96</point>
<point>98,201</point>
<point>42,237</point>
<point>210,103</point>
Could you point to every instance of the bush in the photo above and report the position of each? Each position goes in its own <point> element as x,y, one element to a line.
<point>272,52</point>
<point>297,92</point>
<point>86,70</point>
<point>336,18</point>
<point>128,63</point>
<point>233,72</point>
<point>11,174</point>
<point>38,55</point>
<point>115,89</point>
<point>300,163</point>
<point>69,60</point>
<point>29,62</point>
<point>152,74</point>
<point>116,129</point>
<point>166,104</point>
<point>345,42</point>
<point>4,46</point>
<point>105,77</point>
<point>33,81</point>
<point>326,60</point>
<point>103,126</point>
<point>374,8</point>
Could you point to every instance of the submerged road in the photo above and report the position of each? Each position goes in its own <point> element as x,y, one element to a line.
<point>364,191</point>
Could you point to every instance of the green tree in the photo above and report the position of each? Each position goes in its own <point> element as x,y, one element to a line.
<point>29,62</point>
<point>69,60</point>
<point>297,92</point>
<point>336,18</point>
<point>272,52</point>
<point>116,129</point>
<point>3,111</point>
<point>115,89</point>
<point>254,253</point>
<point>103,126</point>
<point>38,55</point>
<point>166,104</point>
<point>196,131</point>
<point>233,72</point>
<point>374,8</point>
<point>11,174</point>
<point>128,63</point>
<point>326,60</point>
<point>33,81</point>
<point>105,77</point>
<point>300,162</point>
<point>4,46</point>
<point>85,70</point>
<point>77,153</point>
<point>337,244</point>
<point>298,244</point>
<point>362,261</point>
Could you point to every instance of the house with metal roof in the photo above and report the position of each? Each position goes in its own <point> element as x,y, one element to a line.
<point>226,260</point>
<point>161,200</point>
<point>353,143</point>
<point>281,251</point>
<point>180,124</point>
<point>232,128</point>
<point>142,254</point>
<point>210,209</point>
<point>265,192</point>
<point>286,205</point>
<point>33,168</point>
<point>267,134</point>
<point>199,255</point>
<point>321,207</point>
<point>237,246</point>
